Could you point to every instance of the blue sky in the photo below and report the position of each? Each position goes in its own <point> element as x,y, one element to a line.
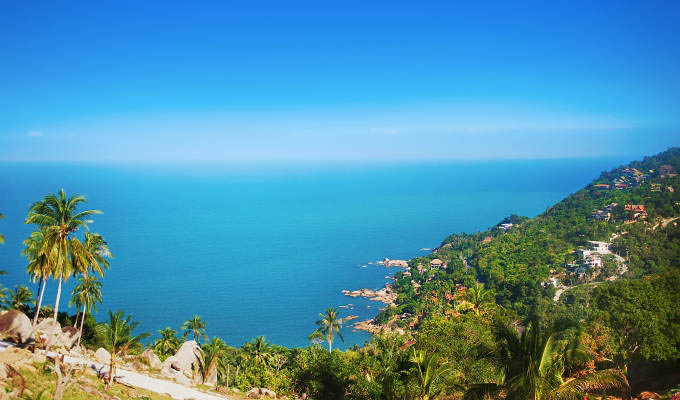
<point>257,80</point>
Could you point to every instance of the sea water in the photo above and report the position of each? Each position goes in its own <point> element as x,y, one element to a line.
<point>263,249</point>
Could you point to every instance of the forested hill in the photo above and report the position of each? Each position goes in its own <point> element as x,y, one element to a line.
<point>527,261</point>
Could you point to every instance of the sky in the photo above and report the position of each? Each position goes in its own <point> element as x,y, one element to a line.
<point>353,80</point>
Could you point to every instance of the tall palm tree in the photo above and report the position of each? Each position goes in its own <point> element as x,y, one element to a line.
<point>97,246</point>
<point>87,293</point>
<point>39,265</point>
<point>60,218</point>
<point>167,344</point>
<point>328,324</point>
<point>258,350</point>
<point>117,338</point>
<point>195,326</point>
<point>20,298</point>
<point>212,352</point>
<point>428,373</point>
<point>533,364</point>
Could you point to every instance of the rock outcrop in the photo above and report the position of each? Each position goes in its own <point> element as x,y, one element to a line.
<point>69,336</point>
<point>152,359</point>
<point>187,355</point>
<point>102,356</point>
<point>49,332</point>
<point>17,326</point>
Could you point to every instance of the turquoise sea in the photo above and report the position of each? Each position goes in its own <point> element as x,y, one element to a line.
<point>262,249</point>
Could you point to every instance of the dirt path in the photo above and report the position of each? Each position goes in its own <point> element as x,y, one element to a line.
<point>174,390</point>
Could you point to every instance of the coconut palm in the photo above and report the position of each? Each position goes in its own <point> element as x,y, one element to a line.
<point>212,352</point>
<point>428,373</point>
<point>87,294</point>
<point>479,297</point>
<point>117,338</point>
<point>20,298</point>
<point>59,217</point>
<point>39,265</point>
<point>97,246</point>
<point>329,324</point>
<point>195,326</point>
<point>533,364</point>
<point>258,350</point>
<point>167,344</point>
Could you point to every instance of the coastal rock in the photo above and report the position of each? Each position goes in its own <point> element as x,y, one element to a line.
<point>152,359</point>
<point>211,380</point>
<point>69,336</point>
<point>253,393</point>
<point>187,355</point>
<point>49,332</point>
<point>102,356</point>
<point>16,325</point>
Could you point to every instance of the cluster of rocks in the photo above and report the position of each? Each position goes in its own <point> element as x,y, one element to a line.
<point>394,263</point>
<point>183,366</point>
<point>258,392</point>
<point>385,295</point>
<point>17,327</point>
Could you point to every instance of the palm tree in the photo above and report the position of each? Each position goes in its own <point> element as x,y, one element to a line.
<point>195,326</point>
<point>58,215</point>
<point>39,265</point>
<point>212,352</point>
<point>87,293</point>
<point>97,246</point>
<point>117,338</point>
<point>328,324</point>
<point>167,344</point>
<point>479,297</point>
<point>258,350</point>
<point>20,298</point>
<point>428,373</point>
<point>533,364</point>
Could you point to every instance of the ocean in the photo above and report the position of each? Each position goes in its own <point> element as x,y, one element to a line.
<point>263,249</point>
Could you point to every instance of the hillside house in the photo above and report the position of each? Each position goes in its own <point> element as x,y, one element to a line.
<point>601,186</point>
<point>436,263</point>
<point>506,227</point>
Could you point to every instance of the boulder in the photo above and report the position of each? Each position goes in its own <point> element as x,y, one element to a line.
<point>50,332</point>
<point>268,393</point>
<point>168,363</point>
<point>187,355</point>
<point>212,378</point>
<point>16,325</point>
<point>69,336</point>
<point>152,359</point>
<point>253,393</point>
<point>177,376</point>
<point>102,356</point>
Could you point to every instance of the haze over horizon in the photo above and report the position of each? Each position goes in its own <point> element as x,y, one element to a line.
<point>306,81</point>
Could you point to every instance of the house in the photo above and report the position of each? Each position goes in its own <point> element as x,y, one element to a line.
<point>601,186</point>
<point>505,227</point>
<point>599,247</point>
<point>600,215</point>
<point>487,239</point>
<point>635,208</point>
<point>620,186</point>
<point>593,261</point>
<point>436,263</point>
<point>656,187</point>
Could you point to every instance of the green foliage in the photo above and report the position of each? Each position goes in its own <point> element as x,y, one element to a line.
<point>167,344</point>
<point>641,316</point>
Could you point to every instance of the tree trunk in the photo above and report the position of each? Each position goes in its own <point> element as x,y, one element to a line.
<point>56,303</point>
<point>227,377</point>
<point>111,373</point>
<point>82,322</point>
<point>43,281</point>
